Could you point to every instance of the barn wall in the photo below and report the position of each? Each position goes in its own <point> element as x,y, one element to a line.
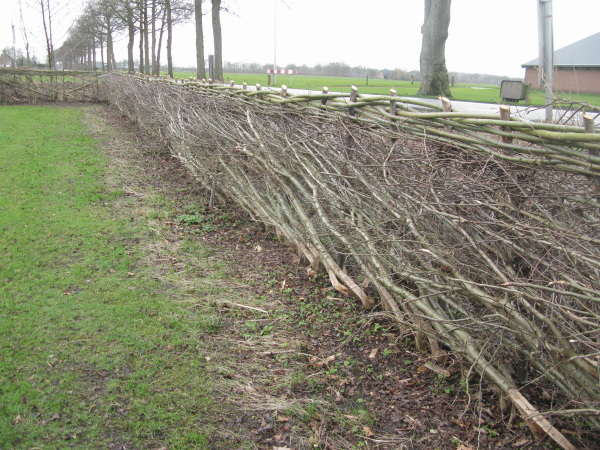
<point>569,81</point>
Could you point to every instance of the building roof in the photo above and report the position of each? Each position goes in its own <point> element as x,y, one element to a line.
<point>583,53</point>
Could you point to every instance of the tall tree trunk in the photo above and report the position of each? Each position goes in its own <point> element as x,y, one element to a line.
<point>102,53</point>
<point>146,44</point>
<point>169,38</point>
<point>109,48</point>
<point>48,33</point>
<point>24,32</point>
<point>200,70</point>
<point>131,31</point>
<point>141,33</point>
<point>154,68</point>
<point>93,53</point>
<point>216,26</point>
<point>160,38</point>
<point>434,75</point>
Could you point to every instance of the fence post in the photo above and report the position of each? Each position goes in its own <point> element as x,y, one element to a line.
<point>590,127</point>
<point>325,92</point>
<point>210,81</point>
<point>245,86</point>
<point>258,88</point>
<point>231,83</point>
<point>203,80</point>
<point>447,107</point>
<point>515,196</point>
<point>505,115</point>
<point>283,91</point>
<point>393,93</point>
<point>393,107</point>
<point>353,99</point>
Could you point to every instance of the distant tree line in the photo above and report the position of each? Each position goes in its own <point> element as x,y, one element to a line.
<point>144,24</point>
<point>21,58</point>
<point>340,69</point>
<point>478,78</point>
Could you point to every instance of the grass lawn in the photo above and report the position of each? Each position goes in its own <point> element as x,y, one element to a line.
<point>465,92</point>
<point>92,350</point>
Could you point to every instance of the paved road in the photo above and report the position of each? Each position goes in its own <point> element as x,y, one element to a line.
<point>533,113</point>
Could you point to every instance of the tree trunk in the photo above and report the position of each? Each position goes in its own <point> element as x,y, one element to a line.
<point>102,53</point>
<point>200,70</point>
<point>216,25</point>
<point>434,75</point>
<point>154,68</point>
<point>94,53</point>
<point>48,33</point>
<point>141,12</point>
<point>146,52</point>
<point>169,38</point>
<point>109,48</point>
<point>160,37</point>
<point>131,30</point>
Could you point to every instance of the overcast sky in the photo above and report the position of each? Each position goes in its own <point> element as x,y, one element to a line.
<point>486,36</point>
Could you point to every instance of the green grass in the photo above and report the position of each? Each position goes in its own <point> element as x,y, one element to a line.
<point>92,350</point>
<point>483,93</point>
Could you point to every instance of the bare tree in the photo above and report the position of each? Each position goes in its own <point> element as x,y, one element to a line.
<point>24,32</point>
<point>47,21</point>
<point>433,51</point>
<point>169,37</point>
<point>178,11</point>
<point>108,21</point>
<point>154,37</point>
<point>216,26</point>
<point>126,11</point>
<point>200,69</point>
<point>160,39</point>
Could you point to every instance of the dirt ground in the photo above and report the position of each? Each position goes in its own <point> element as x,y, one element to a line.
<point>299,366</point>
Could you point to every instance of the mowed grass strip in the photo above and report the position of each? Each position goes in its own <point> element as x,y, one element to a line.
<point>92,352</point>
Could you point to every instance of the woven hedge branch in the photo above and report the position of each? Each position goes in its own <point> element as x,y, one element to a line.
<point>483,239</point>
<point>33,86</point>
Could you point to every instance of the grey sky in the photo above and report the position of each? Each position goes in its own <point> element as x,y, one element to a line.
<point>486,36</point>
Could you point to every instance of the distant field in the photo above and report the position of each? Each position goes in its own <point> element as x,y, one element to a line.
<point>483,93</point>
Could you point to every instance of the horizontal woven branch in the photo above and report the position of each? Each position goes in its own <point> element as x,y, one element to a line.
<point>568,146</point>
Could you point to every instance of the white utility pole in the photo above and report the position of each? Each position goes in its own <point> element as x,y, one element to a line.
<point>275,50</point>
<point>546,46</point>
